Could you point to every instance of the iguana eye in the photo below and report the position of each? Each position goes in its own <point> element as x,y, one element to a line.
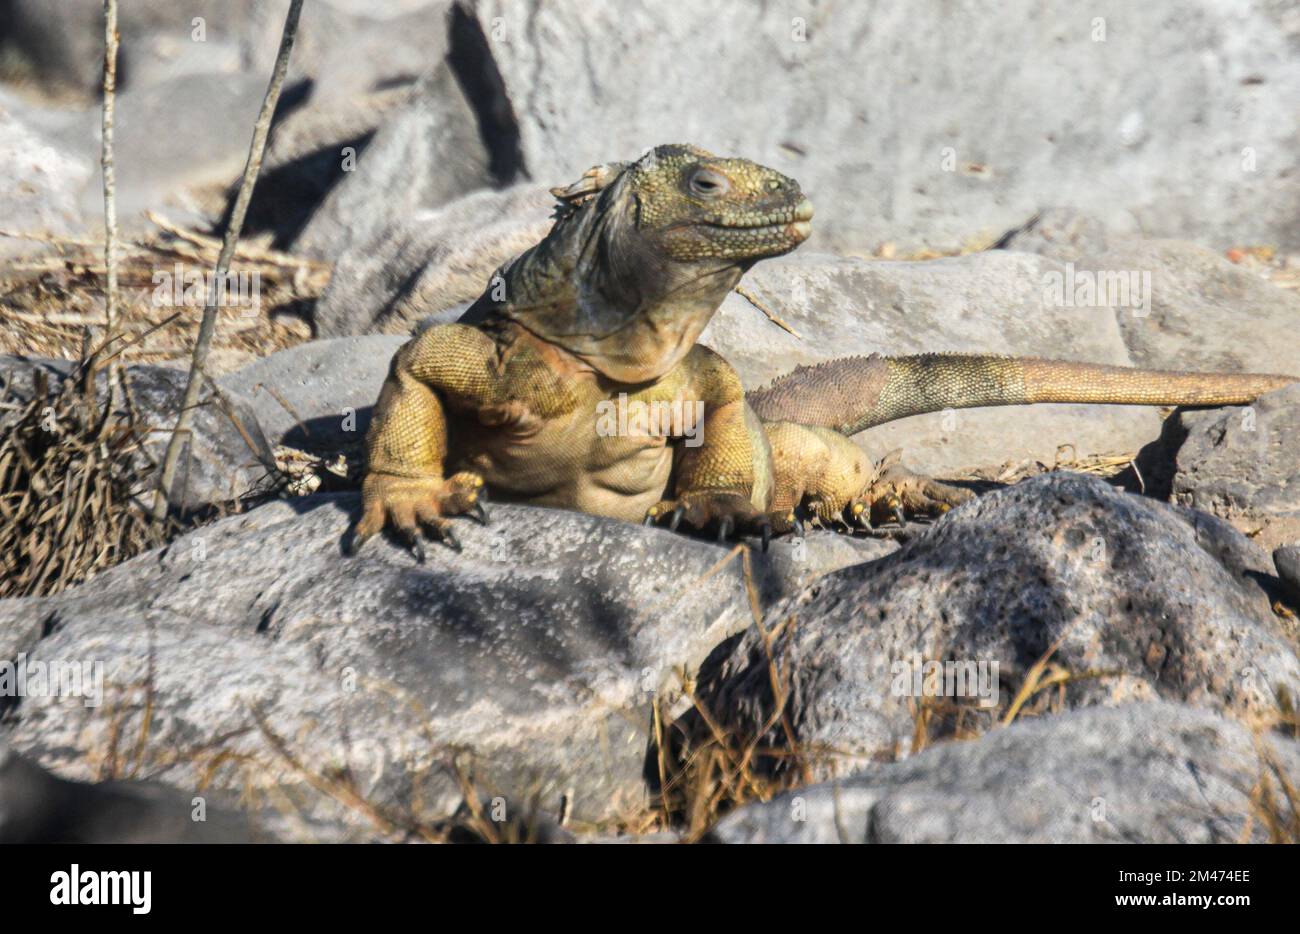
<point>707,183</point>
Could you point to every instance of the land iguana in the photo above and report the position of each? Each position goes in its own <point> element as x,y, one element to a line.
<point>607,309</point>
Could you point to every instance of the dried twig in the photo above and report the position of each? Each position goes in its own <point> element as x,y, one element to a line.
<point>207,326</point>
<point>106,162</point>
<point>771,315</point>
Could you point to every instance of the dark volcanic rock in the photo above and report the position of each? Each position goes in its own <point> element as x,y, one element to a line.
<point>1144,773</point>
<point>1243,464</point>
<point>1138,600</point>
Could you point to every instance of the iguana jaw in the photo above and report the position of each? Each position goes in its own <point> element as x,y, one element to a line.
<point>765,239</point>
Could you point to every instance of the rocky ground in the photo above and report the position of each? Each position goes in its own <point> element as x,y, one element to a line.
<point>1129,578</point>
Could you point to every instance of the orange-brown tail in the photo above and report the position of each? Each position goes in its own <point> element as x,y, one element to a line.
<point>855,393</point>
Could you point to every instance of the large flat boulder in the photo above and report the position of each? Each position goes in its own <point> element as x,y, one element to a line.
<point>1203,313</point>
<point>373,692</point>
<point>1035,105</point>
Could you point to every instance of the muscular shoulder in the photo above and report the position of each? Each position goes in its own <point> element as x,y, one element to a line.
<point>709,375</point>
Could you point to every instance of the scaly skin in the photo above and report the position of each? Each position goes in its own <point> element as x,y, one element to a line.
<point>516,397</point>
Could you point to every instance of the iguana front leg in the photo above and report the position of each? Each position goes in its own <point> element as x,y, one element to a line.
<point>407,441</point>
<point>724,482</point>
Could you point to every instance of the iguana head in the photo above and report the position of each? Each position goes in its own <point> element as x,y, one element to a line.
<point>643,253</point>
<point>697,207</point>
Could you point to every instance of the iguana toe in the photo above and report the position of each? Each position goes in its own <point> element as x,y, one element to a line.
<point>729,513</point>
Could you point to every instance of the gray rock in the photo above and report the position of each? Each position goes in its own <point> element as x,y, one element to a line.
<point>313,147</point>
<point>174,140</point>
<point>1243,464</point>
<point>1287,561</point>
<point>169,51</point>
<point>1140,602</point>
<point>60,46</point>
<point>348,48</point>
<point>429,261</point>
<point>174,152</point>
<point>39,190</point>
<point>425,155</point>
<point>227,457</point>
<point>330,385</point>
<point>216,466</point>
<point>1145,773</point>
<point>191,75</point>
<point>1064,234</point>
<point>37,807</point>
<point>904,151</point>
<point>1205,313</point>
<point>530,661</point>
<point>356,68</point>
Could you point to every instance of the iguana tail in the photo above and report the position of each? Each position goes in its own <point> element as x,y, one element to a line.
<point>855,393</point>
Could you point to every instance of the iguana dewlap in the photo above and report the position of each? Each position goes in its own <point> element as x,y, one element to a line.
<point>530,394</point>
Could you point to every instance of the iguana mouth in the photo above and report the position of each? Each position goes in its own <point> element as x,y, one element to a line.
<point>792,232</point>
<point>796,217</point>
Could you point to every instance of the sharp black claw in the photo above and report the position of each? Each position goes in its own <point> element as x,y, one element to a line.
<point>899,517</point>
<point>648,520</point>
<point>449,539</point>
<point>677,518</point>
<point>351,545</point>
<point>412,542</point>
<point>725,525</point>
<point>765,531</point>
<point>799,529</point>
<point>479,512</point>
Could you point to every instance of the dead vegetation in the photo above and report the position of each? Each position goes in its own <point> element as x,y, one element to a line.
<point>50,298</point>
<point>70,469</point>
<point>74,465</point>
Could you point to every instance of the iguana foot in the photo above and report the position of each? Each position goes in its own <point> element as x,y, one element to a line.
<point>899,494</point>
<point>729,513</point>
<point>410,502</point>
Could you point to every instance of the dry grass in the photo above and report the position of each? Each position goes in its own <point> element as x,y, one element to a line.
<point>1105,466</point>
<point>69,470</point>
<point>702,777</point>
<point>1274,798</point>
<point>50,298</point>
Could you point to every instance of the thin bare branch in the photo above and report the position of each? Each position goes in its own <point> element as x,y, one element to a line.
<point>207,326</point>
<point>106,160</point>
